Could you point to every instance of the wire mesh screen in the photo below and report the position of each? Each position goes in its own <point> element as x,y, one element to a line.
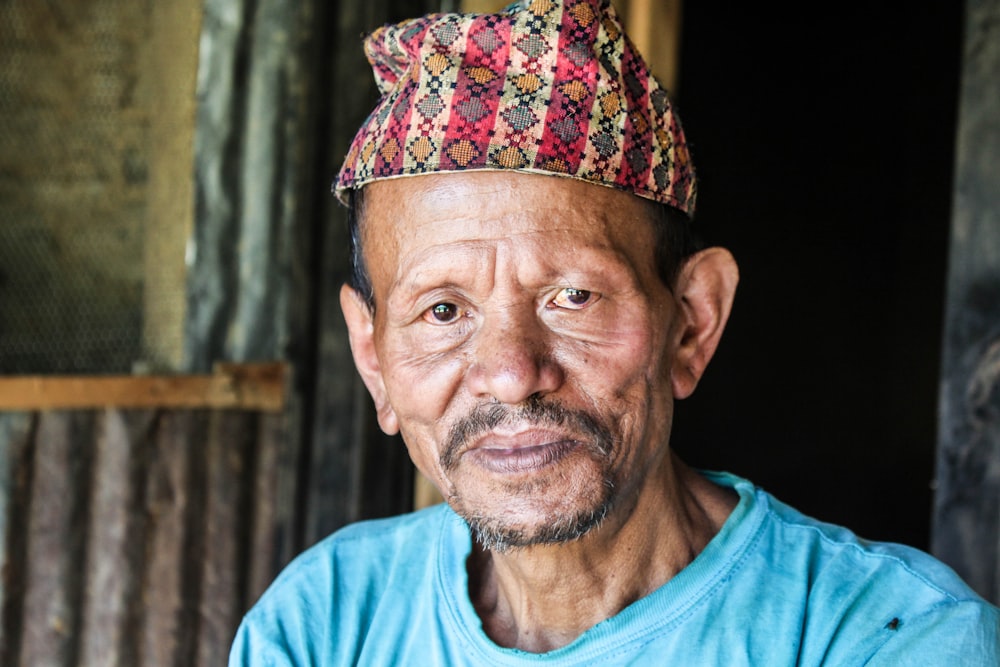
<point>77,100</point>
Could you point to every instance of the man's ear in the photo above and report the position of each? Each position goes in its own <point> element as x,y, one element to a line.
<point>705,288</point>
<point>361,330</point>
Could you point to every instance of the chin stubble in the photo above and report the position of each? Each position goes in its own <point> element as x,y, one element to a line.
<point>493,532</point>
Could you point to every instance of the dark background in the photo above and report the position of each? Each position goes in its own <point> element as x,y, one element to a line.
<point>824,141</point>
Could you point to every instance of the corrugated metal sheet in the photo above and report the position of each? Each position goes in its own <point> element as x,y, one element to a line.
<point>966,525</point>
<point>138,537</point>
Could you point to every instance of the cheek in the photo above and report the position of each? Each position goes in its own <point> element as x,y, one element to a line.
<point>420,386</point>
<point>619,363</point>
<point>420,391</point>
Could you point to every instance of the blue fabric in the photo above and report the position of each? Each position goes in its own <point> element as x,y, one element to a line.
<point>772,588</point>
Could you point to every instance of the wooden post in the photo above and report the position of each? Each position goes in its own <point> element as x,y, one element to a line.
<point>345,439</point>
<point>55,536</point>
<point>655,28</point>
<point>173,65</point>
<point>115,540</point>
<point>653,25</point>
<point>966,527</point>
<point>173,500</point>
<point>230,456</point>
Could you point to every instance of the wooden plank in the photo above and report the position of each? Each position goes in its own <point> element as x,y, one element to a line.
<point>482,6</point>
<point>173,503</point>
<point>16,431</point>
<point>966,527</point>
<point>237,386</point>
<point>387,476</point>
<point>227,517</point>
<point>272,538</point>
<point>58,506</point>
<point>172,57</point>
<point>114,540</point>
<point>343,423</point>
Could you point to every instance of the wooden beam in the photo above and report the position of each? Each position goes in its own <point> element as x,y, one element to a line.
<point>172,55</point>
<point>231,386</point>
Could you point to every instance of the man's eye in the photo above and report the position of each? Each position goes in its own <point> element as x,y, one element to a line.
<point>442,313</point>
<point>574,299</point>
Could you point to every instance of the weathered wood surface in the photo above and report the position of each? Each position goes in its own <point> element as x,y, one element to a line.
<point>130,536</point>
<point>115,538</point>
<point>346,451</point>
<point>966,527</point>
<point>173,499</point>
<point>283,87</point>
<point>227,522</point>
<point>242,386</point>
<point>15,434</point>
<point>55,540</point>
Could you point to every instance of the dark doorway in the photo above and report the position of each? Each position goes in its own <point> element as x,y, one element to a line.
<point>824,141</point>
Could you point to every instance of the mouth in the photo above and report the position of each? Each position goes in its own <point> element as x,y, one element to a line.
<point>508,440</point>
<point>510,456</point>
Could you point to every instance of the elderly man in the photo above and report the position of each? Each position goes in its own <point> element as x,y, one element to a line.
<point>526,306</point>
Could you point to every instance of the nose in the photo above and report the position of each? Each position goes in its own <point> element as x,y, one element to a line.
<point>513,359</point>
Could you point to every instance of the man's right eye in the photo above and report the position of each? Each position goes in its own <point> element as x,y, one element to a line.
<point>442,313</point>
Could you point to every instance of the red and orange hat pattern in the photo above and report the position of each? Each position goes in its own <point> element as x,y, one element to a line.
<point>543,86</point>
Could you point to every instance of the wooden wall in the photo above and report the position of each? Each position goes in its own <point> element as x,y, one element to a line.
<point>138,536</point>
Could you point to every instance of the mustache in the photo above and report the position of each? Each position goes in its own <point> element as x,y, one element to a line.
<point>535,411</point>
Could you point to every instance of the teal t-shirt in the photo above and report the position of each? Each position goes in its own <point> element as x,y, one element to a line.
<point>774,587</point>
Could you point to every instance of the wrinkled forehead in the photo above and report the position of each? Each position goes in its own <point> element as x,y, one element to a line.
<point>485,206</point>
<point>457,221</point>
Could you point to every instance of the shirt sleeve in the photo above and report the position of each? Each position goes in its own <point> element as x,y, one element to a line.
<point>288,624</point>
<point>252,648</point>
<point>964,633</point>
<point>246,651</point>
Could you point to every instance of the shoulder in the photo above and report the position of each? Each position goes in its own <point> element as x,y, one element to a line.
<point>878,602</point>
<point>954,632</point>
<point>381,542</point>
<point>328,590</point>
<point>838,553</point>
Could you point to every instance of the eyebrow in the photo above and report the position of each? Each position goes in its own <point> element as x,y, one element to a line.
<point>599,263</point>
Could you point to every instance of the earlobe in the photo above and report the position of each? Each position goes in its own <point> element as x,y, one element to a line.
<point>705,289</point>
<point>361,332</point>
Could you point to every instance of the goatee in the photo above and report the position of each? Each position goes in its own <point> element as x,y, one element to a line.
<point>493,532</point>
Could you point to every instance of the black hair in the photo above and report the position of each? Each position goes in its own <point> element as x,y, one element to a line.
<point>675,241</point>
<point>359,279</point>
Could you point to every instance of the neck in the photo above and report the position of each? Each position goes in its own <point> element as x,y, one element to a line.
<point>543,597</point>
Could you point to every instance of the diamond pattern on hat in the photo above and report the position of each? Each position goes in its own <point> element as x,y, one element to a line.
<point>520,117</point>
<point>551,86</point>
<point>532,45</point>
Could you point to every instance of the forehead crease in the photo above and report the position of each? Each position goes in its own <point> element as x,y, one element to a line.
<point>412,224</point>
<point>427,264</point>
<point>425,248</point>
<point>506,258</point>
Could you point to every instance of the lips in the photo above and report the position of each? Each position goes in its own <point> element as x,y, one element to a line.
<point>524,453</point>
<point>503,439</point>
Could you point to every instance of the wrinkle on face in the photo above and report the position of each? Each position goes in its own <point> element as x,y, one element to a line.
<point>499,247</point>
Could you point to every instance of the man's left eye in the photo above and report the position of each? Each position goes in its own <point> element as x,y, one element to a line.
<point>574,299</point>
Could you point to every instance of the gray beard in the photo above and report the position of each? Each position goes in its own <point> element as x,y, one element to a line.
<point>494,535</point>
<point>492,532</point>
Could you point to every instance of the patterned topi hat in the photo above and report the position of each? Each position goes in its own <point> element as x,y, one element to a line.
<point>543,86</point>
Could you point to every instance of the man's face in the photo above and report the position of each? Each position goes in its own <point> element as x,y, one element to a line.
<point>521,343</point>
